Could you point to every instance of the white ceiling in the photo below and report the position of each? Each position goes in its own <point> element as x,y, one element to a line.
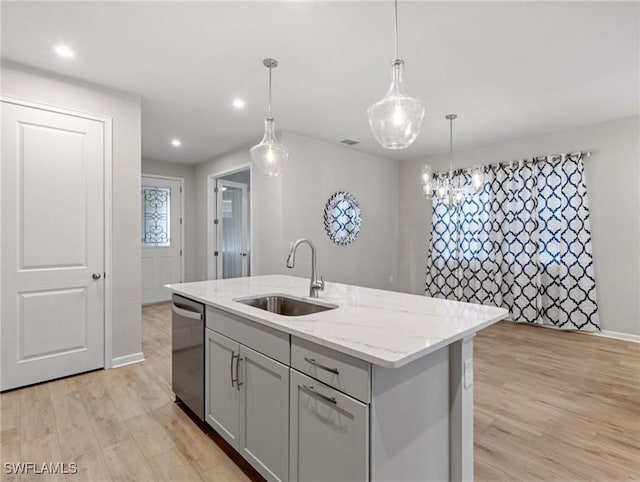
<point>509,69</point>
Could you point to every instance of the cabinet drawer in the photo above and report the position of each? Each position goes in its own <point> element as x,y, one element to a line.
<point>329,433</point>
<point>346,373</point>
<point>262,339</point>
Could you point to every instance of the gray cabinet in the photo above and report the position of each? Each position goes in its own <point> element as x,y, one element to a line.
<point>301,412</point>
<point>247,403</point>
<point>222,397</point>
<point>264,414</point>
<point>329,433</point>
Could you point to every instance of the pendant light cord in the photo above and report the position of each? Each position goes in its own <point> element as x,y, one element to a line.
<point>451,200</point>
<point>269,91</point>
<point>396,27</point>
<point>451,149</point>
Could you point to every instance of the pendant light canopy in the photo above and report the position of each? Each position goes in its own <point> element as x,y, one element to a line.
<point>447,190</point>
<point>269,155</point>
<point>396,120</point>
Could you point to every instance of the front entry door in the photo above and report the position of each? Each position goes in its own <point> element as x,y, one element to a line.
<point>52,219</point>
<point>161,237</point>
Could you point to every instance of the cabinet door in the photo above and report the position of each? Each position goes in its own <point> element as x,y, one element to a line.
<point>329,433</point>
<point>221,391</point>
<point>264,414</point>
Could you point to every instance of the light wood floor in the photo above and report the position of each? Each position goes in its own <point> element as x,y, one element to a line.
<point>555,405</point>
<point>549,406</point>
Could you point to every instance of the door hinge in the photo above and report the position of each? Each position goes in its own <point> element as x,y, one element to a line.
<point>215,253</point>
<point>180,220</point>
<point>215,221</point>
<point>215,189</point>
<point>180,252</point>
<point>180,189</point>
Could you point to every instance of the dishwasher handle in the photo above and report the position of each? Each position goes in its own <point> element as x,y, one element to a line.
<point>193,315</point>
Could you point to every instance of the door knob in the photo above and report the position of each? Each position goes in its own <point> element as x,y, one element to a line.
<point>96,276</point>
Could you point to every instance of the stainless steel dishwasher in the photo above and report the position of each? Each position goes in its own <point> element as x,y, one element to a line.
<point>187,353</point>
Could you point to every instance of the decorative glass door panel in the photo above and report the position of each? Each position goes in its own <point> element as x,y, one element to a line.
<point>156,216</point>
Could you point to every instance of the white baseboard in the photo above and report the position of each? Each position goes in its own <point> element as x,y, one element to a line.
<point>616,335</point>
<point>121,361</point>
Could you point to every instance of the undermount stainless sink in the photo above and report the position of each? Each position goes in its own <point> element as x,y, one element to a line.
<point>286,305</point>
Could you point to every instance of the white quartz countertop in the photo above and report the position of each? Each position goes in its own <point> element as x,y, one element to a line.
<point>385,328</point>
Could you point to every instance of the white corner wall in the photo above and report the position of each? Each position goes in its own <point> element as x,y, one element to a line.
<point>613,175</point>
<point>125,110</point>
<point>291,206</point>
<point>188,173</point>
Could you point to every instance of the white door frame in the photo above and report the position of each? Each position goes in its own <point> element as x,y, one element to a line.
<point>211,184</point>
<point>181,181</point>
<point>108,209</point>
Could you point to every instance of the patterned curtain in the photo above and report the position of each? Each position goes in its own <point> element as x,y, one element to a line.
<point>523,243</point>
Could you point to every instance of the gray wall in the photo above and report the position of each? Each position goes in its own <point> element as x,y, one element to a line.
<point>316,170</point>
<point>612,174</point>
<point>188,173</point>
<point>291,206</point>
<point>125,110</point>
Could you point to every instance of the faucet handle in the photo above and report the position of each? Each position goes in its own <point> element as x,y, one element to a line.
<point>317,284</point>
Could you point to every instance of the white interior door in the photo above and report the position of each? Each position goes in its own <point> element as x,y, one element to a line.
<point>52,218</point>
<point>161,236</point>
<point>232,230</point>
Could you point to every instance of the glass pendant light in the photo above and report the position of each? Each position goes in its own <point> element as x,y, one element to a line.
<point>396,120</point>
<point>427,181</point>
<point>269,155</point>
<point>477,179</point>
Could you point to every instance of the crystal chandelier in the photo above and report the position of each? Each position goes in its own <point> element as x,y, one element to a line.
<point>445,188</point>
<point>269,155</point>
<point>396,120</point>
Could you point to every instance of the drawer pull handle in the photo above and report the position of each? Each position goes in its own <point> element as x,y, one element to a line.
<point>324,397</point>
<point>320,365</point>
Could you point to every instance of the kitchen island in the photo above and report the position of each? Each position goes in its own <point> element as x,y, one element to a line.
<point>378,386</point>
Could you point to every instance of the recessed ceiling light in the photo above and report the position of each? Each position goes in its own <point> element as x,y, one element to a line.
<point>176,142</point>
<point>239,103</point>
<point>64,51</point>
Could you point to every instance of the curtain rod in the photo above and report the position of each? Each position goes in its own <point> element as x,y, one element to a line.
<point>548,158</point>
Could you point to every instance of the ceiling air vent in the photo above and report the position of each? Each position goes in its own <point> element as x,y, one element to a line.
<point>349,142</point>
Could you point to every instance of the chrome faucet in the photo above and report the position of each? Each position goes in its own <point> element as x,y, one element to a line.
<point>316,285</point>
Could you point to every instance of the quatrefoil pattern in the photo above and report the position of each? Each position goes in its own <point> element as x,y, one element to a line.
<point>342,218</point>
<point>155,216</point>
<point>523,243</point>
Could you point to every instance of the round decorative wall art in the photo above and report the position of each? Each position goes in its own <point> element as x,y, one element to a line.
<point>342,218</point>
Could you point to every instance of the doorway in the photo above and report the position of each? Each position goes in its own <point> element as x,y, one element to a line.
<point>230,256</point>
<point>161,236</point>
